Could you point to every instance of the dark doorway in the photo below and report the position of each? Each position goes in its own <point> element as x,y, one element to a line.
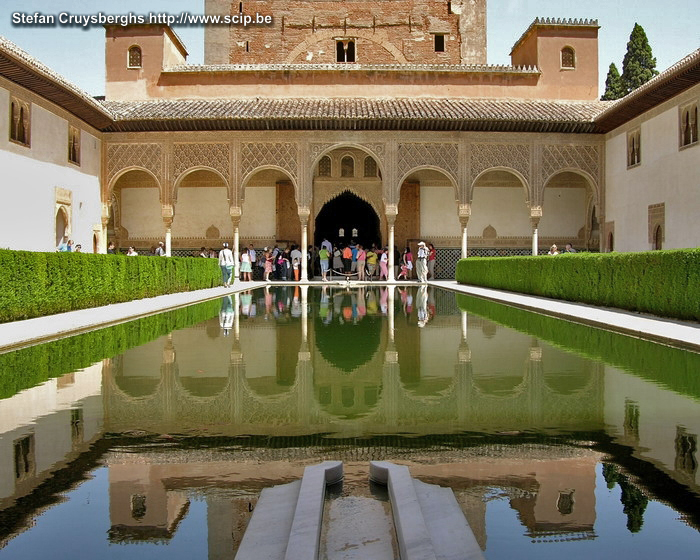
<point>343,215</point>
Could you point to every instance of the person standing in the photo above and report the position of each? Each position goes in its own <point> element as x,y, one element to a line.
<point>110,248</point>
<point>407,259</point>
<point>384,264</point>
<point>422,263</point>
<point>246,267</point>
<point>371,262</point>
<point>360,258</point>
<point>327,244</point>
<point>432,257</point>
<point>160,250</point>
<point>337,260</point>
<point>226,263</point>
<point>323,256</point>
<point>295,256</point>
<point>132,252</point>
<point>269,265</point>
<point>253,260</point>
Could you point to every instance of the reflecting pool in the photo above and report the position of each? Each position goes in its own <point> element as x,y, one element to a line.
<point>155,437</point>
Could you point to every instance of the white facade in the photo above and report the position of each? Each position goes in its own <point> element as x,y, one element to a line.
<point>38,181</point>
<point>667,174</point>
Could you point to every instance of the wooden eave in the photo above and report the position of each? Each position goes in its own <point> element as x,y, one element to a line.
<point>24,74</point>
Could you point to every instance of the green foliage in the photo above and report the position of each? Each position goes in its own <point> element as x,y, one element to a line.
<point>614,89</point>
<point>28,367</point>
<point>36,284</point>
<point>639,65</point>
<point>671,368</point>
<point>664,283</point>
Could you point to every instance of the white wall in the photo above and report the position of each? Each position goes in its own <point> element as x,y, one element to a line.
<point>667,174</point>
<point>503,208</point>
<point>439,213</point>
<point>259,213</point>
<point>198,208</point>
<point>30,176</point>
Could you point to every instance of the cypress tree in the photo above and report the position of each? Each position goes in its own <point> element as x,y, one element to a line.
<point>613,85</point>
<point>639,65</point>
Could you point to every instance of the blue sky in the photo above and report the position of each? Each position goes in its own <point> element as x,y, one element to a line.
<point>672,28</point>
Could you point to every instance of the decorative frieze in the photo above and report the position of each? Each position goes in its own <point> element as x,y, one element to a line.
<point>277,154</point>
<point>442,155</point>
<point>215,155</point>
<point>486,156</point>
<point>126,156</point>
<point>557,157</point>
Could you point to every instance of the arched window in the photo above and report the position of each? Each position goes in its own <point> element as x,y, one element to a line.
<point>370,167</point>
<point>134,59</point>
<point>324,167</point>
<point>19,121</point>
<point>634,148</point>
<point>658,238</point>
<point>611,242</point>
<point>74,145</point>
<point>345,51</point>
<point>689,125</point>
<point>568,58</point>
<point>347,167</point>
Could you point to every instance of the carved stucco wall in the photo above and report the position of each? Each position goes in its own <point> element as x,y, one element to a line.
<point>237,156</point>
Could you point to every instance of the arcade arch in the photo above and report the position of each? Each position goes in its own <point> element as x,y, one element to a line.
<point>135,213</point>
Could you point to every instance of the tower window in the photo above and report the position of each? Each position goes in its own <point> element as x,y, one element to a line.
<point>568,58</point>
<point>345,51</point>
<point>134,59</point>
<point>439,43</point>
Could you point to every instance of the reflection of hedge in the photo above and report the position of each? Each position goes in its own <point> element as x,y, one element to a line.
<point>675,369</point>
<point>36,284</point>
<point>30,366</point>
<point>665,283</point>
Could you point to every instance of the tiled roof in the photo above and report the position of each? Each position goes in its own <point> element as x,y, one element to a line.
<point>356,114</point>
<point>18,66</point>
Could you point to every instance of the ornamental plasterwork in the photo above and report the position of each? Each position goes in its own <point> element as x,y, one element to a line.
<point>557,157</point>
<point>317,148</point>
<point>123,156</point>
<point>217,156</point>
<point>442,155</point>
<point>261,154</point>
<point>487,156</point>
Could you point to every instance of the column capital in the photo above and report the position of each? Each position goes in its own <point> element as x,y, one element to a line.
<point>304,214</point>
<point>167,211</point>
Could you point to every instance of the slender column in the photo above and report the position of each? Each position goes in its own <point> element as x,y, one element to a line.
<point>390,313</point>
<point>168,241</point>
<point>465,212</point>
<point>304,315</point>
<point>236,253</point>
<point>535,216</point>
<point>167,213</point>
<point>391,211</point>
<point>304,213</point>
<point>304,252</point>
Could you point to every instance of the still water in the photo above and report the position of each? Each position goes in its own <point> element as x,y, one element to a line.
<point>155,437</point>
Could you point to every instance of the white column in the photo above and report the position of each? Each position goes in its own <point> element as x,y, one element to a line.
<point>464,241</point>
<point>535,243</point>
<point>304,252</point>
<point>236,254</point>
<point>464,326</point>
<point>304,314</point>
<point>168,241</point>
<point>390,247</point>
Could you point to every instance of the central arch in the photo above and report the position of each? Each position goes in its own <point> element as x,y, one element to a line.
<point>342,215</point>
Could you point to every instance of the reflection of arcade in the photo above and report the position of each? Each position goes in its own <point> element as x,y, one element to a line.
<point>309,374</point>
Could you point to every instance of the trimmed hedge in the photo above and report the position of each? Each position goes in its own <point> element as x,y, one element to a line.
<point>672,368</point>
<point>31,366</point>
<point>665,283</point>
<point>37,284</point>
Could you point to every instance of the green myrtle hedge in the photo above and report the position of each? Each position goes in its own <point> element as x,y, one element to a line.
<point>665,283</point>
<point>30,366</point>
<point>672,368</point>
<point>36,284</point>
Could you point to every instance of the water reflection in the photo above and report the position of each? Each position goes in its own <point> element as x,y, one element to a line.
<point>286,376</point>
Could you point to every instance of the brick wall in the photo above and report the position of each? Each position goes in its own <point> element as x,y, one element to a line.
<point>384,32</point>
